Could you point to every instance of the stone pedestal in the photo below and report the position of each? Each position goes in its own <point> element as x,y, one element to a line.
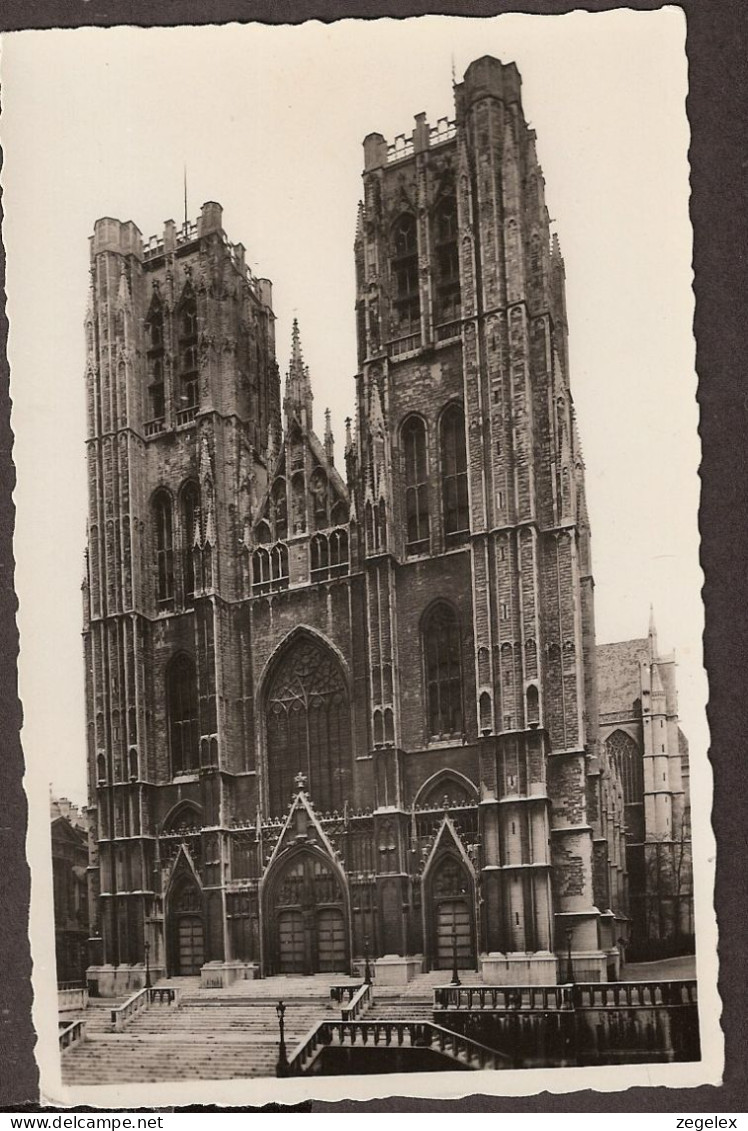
<point>396,969</point>
<point>587,966</point>
<point>218,974</point>
<point>117,981</point>
<point>519,969</point>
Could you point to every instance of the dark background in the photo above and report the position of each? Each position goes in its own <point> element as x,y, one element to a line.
<point>717,47</point>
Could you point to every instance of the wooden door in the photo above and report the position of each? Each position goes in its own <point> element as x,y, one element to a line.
<point>291,943</point>
<point>190,956</point>
<point>454,931</point>
<point>330,941</point>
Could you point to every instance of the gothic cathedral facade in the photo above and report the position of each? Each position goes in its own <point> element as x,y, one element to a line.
<point>340,712</point>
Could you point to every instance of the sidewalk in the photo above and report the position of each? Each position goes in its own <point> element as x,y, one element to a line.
<point>666,968</point>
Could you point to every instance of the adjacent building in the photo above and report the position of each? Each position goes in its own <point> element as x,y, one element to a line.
<point>639,728</point>
<point>69,832</point>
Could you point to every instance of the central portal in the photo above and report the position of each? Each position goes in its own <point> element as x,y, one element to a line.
<point>307,931</point>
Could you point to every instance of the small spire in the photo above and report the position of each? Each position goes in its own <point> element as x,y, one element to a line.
<point>348,438</point>
<point>652,633</point>
<point>329,439</point>
<point>360,222</point>
<point>298,400</point>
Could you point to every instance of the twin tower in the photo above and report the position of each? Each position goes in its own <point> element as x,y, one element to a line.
<point>349,710</point>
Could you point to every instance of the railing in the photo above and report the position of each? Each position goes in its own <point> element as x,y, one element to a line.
<point>405,345</point>
<point>186,415</point>
<point>346,992</point>
<point>393,1035</point>
<point>399,148</point>
<point>72,1034</point>
<point>358,1004</point>
<point>150,995</point>
<point>71,996</point>
<point>154,427</point>
<point>444,130</point>
<point>582,995</point>
<point>71,985</point>
<point>448,330</point>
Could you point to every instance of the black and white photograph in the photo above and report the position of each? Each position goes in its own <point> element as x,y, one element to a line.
<point>357,547</point>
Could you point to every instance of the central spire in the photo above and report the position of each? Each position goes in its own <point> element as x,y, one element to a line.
<point>298,401</point>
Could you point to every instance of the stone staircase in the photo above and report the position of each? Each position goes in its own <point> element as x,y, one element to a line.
<point>211,1035</point>
<point>414,1002</point>
<point>219,1034</point>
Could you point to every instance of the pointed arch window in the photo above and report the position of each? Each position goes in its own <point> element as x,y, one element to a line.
<point>454,476</point>
<point>182,713</point>
<point>188,380</point>
<point>280,508</point>
<point>416,486</point>
<point>407,304</point>
<point>190,529</point>
<point>162,522</point>
<point>308,728</point>
<point>443,670</point>
<point>447,263</point>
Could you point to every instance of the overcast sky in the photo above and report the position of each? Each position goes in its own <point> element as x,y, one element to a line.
<point>269,122</point>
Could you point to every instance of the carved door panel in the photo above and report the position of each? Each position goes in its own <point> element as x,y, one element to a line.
<point>291,949</point>
<point>190,955</point>
<point>331,954</point>
<point>454,931</point>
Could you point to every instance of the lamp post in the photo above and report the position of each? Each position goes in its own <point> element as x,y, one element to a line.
<point>146,948</point>
<point>281,1068</point>
<point>367,967</point>
<point>569,967</point>
<point>455,976</point>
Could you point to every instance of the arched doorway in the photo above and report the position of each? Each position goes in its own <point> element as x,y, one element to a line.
<point>305,916</point>
<point>186,930</point>
<point>452,916</point>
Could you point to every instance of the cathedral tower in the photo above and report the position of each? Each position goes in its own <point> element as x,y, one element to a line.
<point>472,484</point>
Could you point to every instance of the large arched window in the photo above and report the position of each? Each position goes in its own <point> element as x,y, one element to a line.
<point>627,758</point>
<point>416,486</point>
<point>162,529</point>
<point>454,475</point>
<point>443,670</point>
<point>190,527</point>
<point>308,728</point>
<point>182,713</point>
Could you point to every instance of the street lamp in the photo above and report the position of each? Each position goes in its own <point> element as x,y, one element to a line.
<point>455,976</point>
<point>281,1068</point>
<point>146,948</point>
<point>569,967</point>
<point>367,967</point>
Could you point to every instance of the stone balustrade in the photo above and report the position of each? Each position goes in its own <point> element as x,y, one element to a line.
<point>72,1034</point>
<point>395,1034</point>
<point>150,995</point>
<point>358,1004</point>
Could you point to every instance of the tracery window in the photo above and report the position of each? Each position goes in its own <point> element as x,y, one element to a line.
<point>280,508</point>
<point>182,714</point>
<point>190,526</point>
<point>407,304</point>
<point>270,569</point>
<point>447,262</point>
<point>189,358</point>
<point>454,475</point>
<point>308,728</point>
<point>416,486</point>
<point>443,669</point>
<point>164,549</point>
<point>628,761</point>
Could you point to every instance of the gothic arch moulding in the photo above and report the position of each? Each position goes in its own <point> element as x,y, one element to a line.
<point>305,704</point>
